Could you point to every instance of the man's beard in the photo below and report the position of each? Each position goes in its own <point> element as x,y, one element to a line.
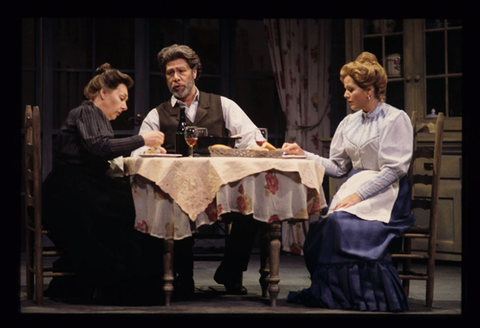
<point>181,95</point>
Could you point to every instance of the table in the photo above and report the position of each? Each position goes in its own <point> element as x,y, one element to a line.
<point>174,196</point>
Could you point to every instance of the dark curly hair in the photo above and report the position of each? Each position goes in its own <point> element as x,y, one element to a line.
<point>176,51</point>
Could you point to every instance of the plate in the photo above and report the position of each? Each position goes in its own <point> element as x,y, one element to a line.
<point>294,156</point>
<point>160,155</point>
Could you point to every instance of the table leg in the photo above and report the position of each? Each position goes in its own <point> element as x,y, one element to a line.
<point>264,259</point>
<point>168,265</point>
<point>275,232</point>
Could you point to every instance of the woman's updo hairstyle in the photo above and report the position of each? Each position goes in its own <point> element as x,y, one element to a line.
<point>107,78</point>
<point>367,72</point>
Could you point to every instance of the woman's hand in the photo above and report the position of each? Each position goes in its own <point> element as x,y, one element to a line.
<point>292,149</point>
<point>348,201</point>
<point>153,138</point>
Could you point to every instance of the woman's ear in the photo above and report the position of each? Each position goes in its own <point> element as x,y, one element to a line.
<point>102,93</point>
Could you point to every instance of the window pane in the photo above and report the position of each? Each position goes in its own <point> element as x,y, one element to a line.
<point>28,43</point>
<point>454,51</point>
<point>455,97</point>
<point>163,32</point>
<point>434,23</point>
<point>28,89</point>
<point>205,41</point>
<point>158,90</point>
<point>436,95</point>
<point>72,43</point>
<point>374,45</point>
<point>377,26</point>
<point>114,41</point>
<point>70,87</point>
<point>252,55</point>
<point>435,49</point>
<point>210,85</point>
<point>396,94</point>
<point>394,45</point>
<point>257,98</point>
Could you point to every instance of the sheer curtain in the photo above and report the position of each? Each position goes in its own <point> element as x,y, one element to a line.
<point>300,55</point>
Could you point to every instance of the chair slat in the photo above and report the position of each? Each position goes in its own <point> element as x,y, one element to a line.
<point>423,178</point>
<point>421,203</point>
<point>423,153</point>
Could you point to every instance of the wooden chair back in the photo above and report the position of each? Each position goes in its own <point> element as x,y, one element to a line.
<point>429,202</point>
<point>35,251</point>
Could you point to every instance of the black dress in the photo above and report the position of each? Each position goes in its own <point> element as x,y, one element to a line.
<point>91,217</point>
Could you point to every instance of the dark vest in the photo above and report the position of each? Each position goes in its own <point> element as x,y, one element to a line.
<point>209,115</point>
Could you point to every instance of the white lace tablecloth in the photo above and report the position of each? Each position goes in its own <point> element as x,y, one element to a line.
<point>185,193</point>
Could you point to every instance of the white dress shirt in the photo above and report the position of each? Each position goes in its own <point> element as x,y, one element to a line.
<point>236,121</point>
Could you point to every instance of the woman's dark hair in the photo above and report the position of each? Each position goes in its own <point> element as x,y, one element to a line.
<point>107,78</point>
<point>176,51</point>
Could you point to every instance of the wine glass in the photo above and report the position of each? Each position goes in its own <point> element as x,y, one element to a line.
<point>261,135</point>
<point>191,137</point>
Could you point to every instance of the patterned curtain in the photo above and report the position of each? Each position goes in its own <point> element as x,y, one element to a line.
<point>300,55</point>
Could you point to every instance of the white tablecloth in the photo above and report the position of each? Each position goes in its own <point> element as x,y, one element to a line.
<point>185,193</point>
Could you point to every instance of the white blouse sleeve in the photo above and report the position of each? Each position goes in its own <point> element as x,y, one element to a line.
<point>339,163</point>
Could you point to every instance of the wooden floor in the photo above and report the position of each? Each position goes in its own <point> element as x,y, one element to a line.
<point>210,298</point>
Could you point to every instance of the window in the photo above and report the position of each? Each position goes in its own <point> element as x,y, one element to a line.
<point>443,64</point>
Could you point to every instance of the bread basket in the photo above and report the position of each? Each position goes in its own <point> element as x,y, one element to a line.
<point>226,152</point>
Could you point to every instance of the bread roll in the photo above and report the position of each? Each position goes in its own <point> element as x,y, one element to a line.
<point>221,146</point>
<point>268,145</point>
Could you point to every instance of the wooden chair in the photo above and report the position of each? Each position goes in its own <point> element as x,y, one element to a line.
<point>426,202</point>
<point>35,251</point>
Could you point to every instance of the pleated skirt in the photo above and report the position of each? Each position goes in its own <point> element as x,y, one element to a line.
<point>349,261</point>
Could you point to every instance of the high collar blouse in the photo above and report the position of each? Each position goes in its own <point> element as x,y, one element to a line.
<point>380,140</point>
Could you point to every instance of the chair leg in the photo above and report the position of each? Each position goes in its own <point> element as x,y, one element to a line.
<point>430,282</point>
<point>38,272</point>
<point>29,264</point>
<point>407,264</point>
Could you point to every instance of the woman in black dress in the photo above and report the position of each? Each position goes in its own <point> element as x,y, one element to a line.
<point>91,215</point>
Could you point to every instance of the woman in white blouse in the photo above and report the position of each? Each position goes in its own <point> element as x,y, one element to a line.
<point>346,252</point>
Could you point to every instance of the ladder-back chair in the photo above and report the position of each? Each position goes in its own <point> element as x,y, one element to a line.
<point>35,251</point>
<point>425,202</point>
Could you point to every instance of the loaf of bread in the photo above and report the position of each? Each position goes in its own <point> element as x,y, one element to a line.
<point>220,146</point>
<point>266,146</point>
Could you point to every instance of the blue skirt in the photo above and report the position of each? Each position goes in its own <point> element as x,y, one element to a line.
<point>349,262</point>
